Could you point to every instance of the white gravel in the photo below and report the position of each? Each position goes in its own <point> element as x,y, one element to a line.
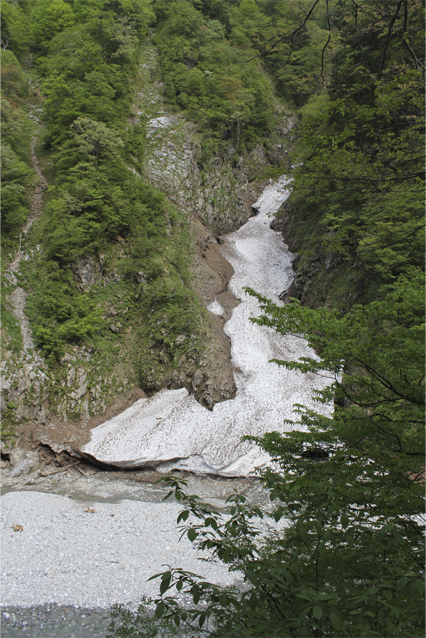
<point>70,556</point>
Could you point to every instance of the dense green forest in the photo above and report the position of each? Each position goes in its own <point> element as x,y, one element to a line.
<point>82,59</point>
<point>361,182</point>
<point>352,74</point>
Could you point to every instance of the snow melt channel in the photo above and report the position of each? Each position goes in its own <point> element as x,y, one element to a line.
<point>171,430</point>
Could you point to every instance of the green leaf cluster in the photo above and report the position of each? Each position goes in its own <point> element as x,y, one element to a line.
<point>208,78</point>
<point>347,555</point>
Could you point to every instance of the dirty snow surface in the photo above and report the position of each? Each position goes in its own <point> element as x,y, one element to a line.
<point>171,430</point>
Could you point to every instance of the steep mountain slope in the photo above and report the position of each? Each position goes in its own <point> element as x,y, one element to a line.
<point>116,275</point>
<point>156,142</point>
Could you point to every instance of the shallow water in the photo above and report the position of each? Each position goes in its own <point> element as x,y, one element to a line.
<point>54,621</point>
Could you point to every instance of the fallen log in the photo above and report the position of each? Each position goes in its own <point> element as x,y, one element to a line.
<point>61,469</point>
<point>80,470</point>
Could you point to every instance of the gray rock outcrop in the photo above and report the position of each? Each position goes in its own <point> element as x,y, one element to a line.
<point>24,463</point>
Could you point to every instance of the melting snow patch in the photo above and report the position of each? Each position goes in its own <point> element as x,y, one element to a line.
<point>215,308</point>
<point>171,429</point>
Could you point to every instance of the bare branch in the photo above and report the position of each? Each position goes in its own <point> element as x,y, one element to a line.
<point>328,40</point>
<point>410,50</point>
<point>389,37</point>
<point>286,36</point>
<point>299,28</point>
<point>356,15</point>
<point>372,249</point>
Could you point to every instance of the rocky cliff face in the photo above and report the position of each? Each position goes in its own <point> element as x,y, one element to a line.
<point>221,194</point>
<point>321,277</point>
<point>216,200</point>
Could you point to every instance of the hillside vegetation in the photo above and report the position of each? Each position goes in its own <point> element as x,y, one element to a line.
<point>107,277</point>
<point>109,280</point>
<point>108,241</point>
<point>359,188</point>
<point>87,62</point>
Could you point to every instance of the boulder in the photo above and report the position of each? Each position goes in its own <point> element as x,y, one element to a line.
<point>29,463</point>
<point>86,272</point>
<point>16,456</point>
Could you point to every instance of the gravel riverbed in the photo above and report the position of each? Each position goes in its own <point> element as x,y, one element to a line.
<point>72,553</point>
<point>89,543</point>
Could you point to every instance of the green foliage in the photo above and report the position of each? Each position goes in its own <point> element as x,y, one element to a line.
<point>155,262</point>
<point>14,28</point>
<point>16,177</point>
<point>173,317</point>
<point>9,423</point>
<point>296,52</point>
<point>17,172</point>
<point>14,84</point>
<point>361,172</point>
<point>94,139</point>
<point>143,624</point>
<point>10,325</point>
<point>87,58</point>
<point>58,313</point>
<point>209,79</point>
<point>135,144</point>
<point>347,556</point>
<point>48,18</point>
<point>358,190</point>
<point>211,54</point>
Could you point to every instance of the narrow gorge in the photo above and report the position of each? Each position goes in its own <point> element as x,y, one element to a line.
<point>171,430</point>
<point>212,318</point>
